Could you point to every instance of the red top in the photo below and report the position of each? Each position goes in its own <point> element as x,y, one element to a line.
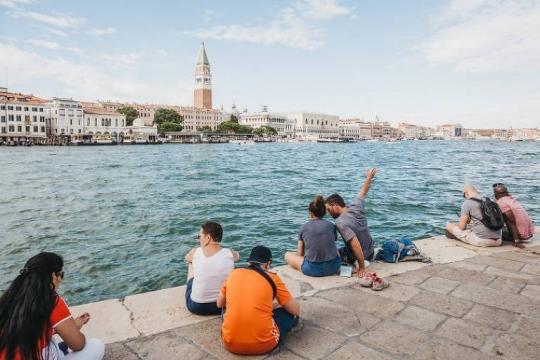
<point>59,314</point>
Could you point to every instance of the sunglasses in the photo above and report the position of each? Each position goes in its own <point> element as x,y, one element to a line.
<point>497,184</point>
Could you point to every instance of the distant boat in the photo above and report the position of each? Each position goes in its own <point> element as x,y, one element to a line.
<point>242,142</point>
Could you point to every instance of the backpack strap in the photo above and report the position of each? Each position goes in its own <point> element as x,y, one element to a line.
<point>257,268</point>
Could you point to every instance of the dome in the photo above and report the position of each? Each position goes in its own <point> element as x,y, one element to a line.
<point>138,122</point>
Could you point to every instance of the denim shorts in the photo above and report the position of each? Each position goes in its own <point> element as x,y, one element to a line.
<point>324,268</point>
<point>200,308</point>
<point>285,321</point>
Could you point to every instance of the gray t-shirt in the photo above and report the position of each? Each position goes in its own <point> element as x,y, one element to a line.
<point>319,237</point>
<point>353,222</point>
<point>472,209</point>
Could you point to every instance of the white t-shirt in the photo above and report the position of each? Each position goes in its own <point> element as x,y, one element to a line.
<point>209,274</point>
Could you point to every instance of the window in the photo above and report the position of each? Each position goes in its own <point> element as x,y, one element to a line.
<point>88,122</point>
<point>40,109</point>
<point>27,128</point>
<point>79,131</point>
<point>18,117</point>
<point>34,118</point>
<point>116,122</point>
<point>42,119</point>
<point>18,108</point>
<point>70,121</point>
<point>10,107</point>
<point>43,129</point>
<point>3,118</point>
<point>36,129</point>
<point>11,118</point>
<point>19,128</point>
<point>11,128</point>
<point>34,109</point>
<point>3,129</point>
<point>26,118</point>
<point>3,107</point>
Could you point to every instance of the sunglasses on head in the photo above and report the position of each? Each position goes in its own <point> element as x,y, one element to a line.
<point>497,184</point>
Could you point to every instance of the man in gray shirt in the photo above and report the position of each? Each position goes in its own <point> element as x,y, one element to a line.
<point>470,228</point>
<point>351,223</point>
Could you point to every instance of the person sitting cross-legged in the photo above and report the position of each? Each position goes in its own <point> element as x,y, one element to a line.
<point>209,266</point>
<point>317,254</point>
<point>251,324</point>
<point>470,228</point>
<point>519,226</point>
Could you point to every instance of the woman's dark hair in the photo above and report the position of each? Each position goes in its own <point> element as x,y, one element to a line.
<point>213,229</point>
<point>317,207</point>
<point>26,307</point>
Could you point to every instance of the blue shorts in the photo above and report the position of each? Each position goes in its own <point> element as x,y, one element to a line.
<point>324,268</point>
<point>200,308</point>
<point>285,321</point>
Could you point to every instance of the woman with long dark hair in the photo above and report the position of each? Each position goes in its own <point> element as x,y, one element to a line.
<point>316,254</point>
<point>31,311</point>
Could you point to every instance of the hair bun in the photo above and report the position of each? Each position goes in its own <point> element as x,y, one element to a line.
<point>24,271</point>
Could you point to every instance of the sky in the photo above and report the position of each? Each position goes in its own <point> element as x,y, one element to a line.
<point>474,62</point>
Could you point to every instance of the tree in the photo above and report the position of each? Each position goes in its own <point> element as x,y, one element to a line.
<point>234,118</point>
<point>231,126</point>
<point>265,130</point>
<point>205,128</point>
<point>169,126</point>
<point>168,120</point>
<point>130,113</point>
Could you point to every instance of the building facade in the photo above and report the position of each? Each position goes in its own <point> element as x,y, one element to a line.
<point>312,126</point>
<point>23,118</point>
<point>355,128</point>
<point>66,119</point>
<point>202,95</point>
<point>280,122</point>
<point>100,122</point>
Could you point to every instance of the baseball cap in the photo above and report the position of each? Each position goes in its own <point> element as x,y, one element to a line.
<point>260,254</point>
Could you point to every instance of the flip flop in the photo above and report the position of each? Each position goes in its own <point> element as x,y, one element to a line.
<point>367,280</point>
<point>379,284</point>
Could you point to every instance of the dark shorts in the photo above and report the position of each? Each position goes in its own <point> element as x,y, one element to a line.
<point>285,321</point>
<point>347,256</point>
<point>199,308</point>
<point>324,268</point>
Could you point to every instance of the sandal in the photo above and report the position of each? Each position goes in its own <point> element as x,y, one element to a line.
<point>379,284</point>
<point>367,280</point>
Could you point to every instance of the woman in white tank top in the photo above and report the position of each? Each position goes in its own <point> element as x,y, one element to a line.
<point>209,266</point>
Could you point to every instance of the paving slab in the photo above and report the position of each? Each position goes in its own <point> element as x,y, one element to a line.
<point>118,351</point>
<point>533,269</point>
<point>410,278</point>
<point>465,332</point>
<point>444,304</point>
<point>502,300</point>
<point>439,285</point>
<point>528,278</point>
<point>335,317</point>
<point>507,285</point>
<point>442,250</point>
<point>158,311</point>
<point>386,269</point>
<point>167,345</point>
<point>500,263</point>
<point>110,321</point>
<point>313,342</point>
<point>295,286</point>
<point>516,347</point>
<point>443,349</point>
<point>283,354</point>
<point>528,327</point>
<point>468,266</point>
<point>362,301</point>
<point>519,255</point>
<point>317,283</point>
<point>206,335</point>
<point>420,318</point>
<point>466,276</point>
<point>394,338</point>
<point>492,317</point>
<point>355,351</point>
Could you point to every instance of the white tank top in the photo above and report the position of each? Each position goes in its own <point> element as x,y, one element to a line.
<point>209,274</point>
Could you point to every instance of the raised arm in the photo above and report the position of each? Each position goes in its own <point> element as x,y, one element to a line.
<point>367,183</point>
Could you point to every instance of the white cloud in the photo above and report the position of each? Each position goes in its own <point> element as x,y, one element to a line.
<point>101,31</point>
<point>121,60</point>
<point>58,20</point>
<point>28,69</point>
<point>294,26</point>
<point>12,4</point>
<point>56,32</point>
<point>481,35</point>
<point>43,43</point>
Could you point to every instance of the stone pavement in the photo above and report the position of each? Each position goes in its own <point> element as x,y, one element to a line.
<point>479,305</point>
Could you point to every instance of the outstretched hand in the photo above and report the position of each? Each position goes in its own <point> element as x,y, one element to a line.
<point>370,174</point>
<point>82,320</point>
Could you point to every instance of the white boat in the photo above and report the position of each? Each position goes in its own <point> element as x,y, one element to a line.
<point>242,142</point>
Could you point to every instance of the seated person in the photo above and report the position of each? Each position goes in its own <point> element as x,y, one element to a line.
<point>519,226</point>
<point>351,222</point>
<point>209,266</point>
<point>31,311</point>
<point>251,325</point>
<point>470,228</point>
<point>317,254</point>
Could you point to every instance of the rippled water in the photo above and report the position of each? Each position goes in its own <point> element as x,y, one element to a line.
<point>123,217</point>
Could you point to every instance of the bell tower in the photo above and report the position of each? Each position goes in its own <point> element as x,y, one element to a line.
<point>202,94</point>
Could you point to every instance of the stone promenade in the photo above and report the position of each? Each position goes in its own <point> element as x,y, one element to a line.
<point>471,304</point>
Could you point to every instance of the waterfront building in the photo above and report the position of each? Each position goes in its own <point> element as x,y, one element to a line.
<point>66,119</point>
<point>449,131</point>
<point>202,94</point>
<point>103,124</point>
<point>312,126</point>
<point>355,128</point>
<point>144,111</point>
<point>280,122</point>
<point>411,131</point>
<point>139,132</point>
<point>23,118</point>
<point>195,119</point>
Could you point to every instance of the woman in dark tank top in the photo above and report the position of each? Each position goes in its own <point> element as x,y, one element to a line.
<point>317,254</point>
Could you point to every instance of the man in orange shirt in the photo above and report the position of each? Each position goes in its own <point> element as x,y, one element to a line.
<point>251,326</point>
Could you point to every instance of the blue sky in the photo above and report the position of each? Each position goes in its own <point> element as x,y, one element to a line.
<point>476,62</point>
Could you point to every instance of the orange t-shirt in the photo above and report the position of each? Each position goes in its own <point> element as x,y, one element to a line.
<point>248,323</point>
<point>59,313</point>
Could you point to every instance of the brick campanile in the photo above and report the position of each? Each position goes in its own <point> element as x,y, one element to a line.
<point>202,95</point>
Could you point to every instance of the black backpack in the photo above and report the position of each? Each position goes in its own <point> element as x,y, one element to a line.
<point>492,216</point>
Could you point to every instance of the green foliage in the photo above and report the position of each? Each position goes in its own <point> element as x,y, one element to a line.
<point>205,128</point>
<point>234,127</point>
<point>234,118</point>
<point>169,126</point>
<point>265,130</point>
<point>130,113</point>
<point>168,120</point>
<point>167,115</point>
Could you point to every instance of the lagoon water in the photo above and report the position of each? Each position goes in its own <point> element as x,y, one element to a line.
<point>123,217</point>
